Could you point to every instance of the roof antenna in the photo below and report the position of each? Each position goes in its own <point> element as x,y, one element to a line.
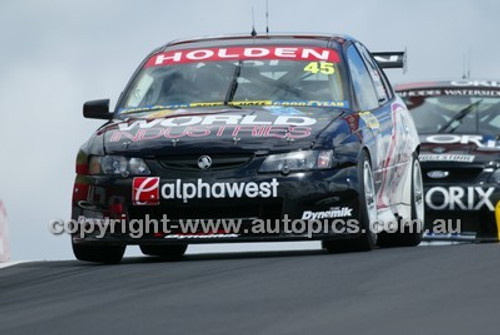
<point>253,33</point>
<point>464,66</point>
<point>468,63</point>
<point>267,16</point>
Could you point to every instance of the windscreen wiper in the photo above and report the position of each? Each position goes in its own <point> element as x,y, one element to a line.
<point>459,116</point>
<point>234,84</point>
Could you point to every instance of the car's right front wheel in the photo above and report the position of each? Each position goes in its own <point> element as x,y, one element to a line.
<point>409,230</point>
<point>366,239</point>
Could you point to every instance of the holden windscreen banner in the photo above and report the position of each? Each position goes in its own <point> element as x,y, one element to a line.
<point>242,53</point>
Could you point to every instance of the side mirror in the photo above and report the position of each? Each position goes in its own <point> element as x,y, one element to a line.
<point>97,109</point>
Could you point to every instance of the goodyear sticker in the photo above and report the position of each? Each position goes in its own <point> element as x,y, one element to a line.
<point>312,103</point>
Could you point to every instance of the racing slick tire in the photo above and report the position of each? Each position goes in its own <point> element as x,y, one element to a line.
<point>409,233</point>
<point>367,238</point>
<point>99,254</point>
<point>167,252</point>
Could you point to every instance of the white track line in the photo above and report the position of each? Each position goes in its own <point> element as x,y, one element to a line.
<point>8,264</point>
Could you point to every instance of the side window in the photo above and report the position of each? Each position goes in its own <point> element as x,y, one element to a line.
<point>363,86</point>
<point>376,75</point>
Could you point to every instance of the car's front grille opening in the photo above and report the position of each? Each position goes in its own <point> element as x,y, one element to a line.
<point>453,175</point>
<point>219,161</point>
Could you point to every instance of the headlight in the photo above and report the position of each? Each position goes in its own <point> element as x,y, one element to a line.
<point>118,165</point>
<point>495,177</point>
<point>298,161</point>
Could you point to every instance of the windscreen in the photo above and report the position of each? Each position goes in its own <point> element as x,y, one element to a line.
<point>239,76</point>
<point>455,114</point>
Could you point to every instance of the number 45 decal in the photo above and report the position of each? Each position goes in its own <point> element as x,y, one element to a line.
<point>320,67</point>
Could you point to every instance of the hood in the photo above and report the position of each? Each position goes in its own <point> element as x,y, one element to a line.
<point>462,148</point>
<point>266,129</point>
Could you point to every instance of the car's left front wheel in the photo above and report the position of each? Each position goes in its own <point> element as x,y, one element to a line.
<point>409,230</point>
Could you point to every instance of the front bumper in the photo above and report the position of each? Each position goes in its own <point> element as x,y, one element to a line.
<point>330,191</point>
<point>466,212</point>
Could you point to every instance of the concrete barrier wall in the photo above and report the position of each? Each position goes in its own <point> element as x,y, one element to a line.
<point>4,244</point>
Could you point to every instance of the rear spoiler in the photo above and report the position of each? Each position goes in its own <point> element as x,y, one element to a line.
<point>391,60</point>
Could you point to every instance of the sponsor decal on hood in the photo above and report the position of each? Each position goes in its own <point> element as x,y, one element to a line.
<point>217,125</point>
<point>218,119</point>
<point>255,128</point>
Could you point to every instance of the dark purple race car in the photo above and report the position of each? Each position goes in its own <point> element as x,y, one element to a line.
<point>304,128</point>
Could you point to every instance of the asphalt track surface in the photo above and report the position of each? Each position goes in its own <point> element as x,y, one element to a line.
<point>426,290</point>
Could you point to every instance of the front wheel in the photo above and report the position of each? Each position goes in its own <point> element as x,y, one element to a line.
<point>98,254</point>
<point>410,230</point>
<point>367,238</point>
